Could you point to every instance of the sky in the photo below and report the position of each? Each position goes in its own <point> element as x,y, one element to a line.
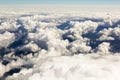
<point>86,2</point>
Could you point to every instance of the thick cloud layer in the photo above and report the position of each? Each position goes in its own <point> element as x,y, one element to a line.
<point>59,45</point>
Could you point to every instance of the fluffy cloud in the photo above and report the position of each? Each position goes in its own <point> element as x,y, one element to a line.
<point>85,27</point>
<point>72,67</point>
<point>6,39</point>
<point>44,45</point>
<point>103,48</point>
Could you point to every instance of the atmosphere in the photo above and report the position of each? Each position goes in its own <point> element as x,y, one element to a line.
<point>59,39</point>
<point>86,2</point>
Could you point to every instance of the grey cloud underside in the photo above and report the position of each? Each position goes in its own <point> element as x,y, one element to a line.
<point>30,35</point>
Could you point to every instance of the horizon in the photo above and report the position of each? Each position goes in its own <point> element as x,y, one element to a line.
<point>62,2</point>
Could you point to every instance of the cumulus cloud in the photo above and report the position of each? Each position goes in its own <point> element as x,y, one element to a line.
<point>44,45</point>
<point>79,46</point>
<point>85,27</point>
<point>8,25</point>
<point>109,34</point>
<point>103,48</point>
<point>72,67</point>
<point>6,39</point>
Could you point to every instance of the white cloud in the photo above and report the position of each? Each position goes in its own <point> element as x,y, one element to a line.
<point>103,48</point>
<point>6,39</point>
<point>33,42</point>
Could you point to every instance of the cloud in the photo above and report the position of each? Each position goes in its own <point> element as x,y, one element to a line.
<point>103,48</point>
<point>59,45</point>
<point>6,39</point>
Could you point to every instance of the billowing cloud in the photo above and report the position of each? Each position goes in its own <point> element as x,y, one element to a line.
<point>59,45</point>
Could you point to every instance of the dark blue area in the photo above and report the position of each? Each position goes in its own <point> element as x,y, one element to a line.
<point>66,36</point>
<point>9,73</point>
<point>115,44</point>
<point>26,15</point>
<point>64,26</point>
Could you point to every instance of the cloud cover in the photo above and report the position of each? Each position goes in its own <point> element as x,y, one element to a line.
<point>58,45</point>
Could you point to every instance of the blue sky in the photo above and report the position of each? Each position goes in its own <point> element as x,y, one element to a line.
<point>86,2</point>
